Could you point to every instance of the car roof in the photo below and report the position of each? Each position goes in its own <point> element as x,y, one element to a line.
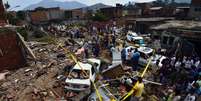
<point>138,37</point>
<point>145,50</point>
<point>94,60</point>
<point>132,33</point>
<point>84,66</point>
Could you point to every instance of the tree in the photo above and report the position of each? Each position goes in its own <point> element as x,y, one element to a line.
<point>21,15</point>
<point>98,16</point>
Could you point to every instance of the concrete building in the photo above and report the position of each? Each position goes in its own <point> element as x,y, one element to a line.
<point>39,16</point>
<point>132,12</point>
<point>55,13</point>
<point>43,15</point>
<point>68,14</point>
<point>171,32</point>
<point>182,12</point>
<point>78,14</point>
<point>195,9</point>
<point>75,14</point>
<point>113,12</point>
<point>145,8</point>
<point>142,25</point>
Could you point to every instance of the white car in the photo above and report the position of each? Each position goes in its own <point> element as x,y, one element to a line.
<point>130,35</point>
<point>146,53</point>
<point>104,92</point>
<point>77,80</point>
<point>133,37</point>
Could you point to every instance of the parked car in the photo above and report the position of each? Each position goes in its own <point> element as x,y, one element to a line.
<point>77,80</point>
<point>130,35</point>
<point>133,37</point>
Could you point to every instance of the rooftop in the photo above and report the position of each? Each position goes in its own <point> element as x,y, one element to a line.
<point>178,24</point>
<point>152,19</point>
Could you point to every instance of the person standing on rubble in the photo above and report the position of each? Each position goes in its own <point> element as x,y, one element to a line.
<point>138,90</point>
<point>135,58</point>
<point>106,40</point>
<point>114,40</point>
<point>123,55</point>
<point>86,45</point>
<point>96,50</point>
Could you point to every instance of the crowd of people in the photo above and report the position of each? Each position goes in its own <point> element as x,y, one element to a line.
<point>130,56</point>
<point>182,76</point>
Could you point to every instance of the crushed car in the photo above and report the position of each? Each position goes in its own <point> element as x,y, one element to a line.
<point>82,74</point>
<point>146,53</point>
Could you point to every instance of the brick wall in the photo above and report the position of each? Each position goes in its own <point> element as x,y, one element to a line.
<point>39,16</point>
<point>196,2</point>
<point>11,56</point>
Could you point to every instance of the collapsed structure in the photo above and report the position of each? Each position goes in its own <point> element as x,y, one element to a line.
<point>12,53</point>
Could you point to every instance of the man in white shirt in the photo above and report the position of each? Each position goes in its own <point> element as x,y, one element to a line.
<point>173,61</point>
<point>188,63</point>
<point>197,62</point>
<point>177,64</point>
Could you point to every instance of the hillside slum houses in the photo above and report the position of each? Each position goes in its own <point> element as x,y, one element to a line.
<point>134,55</point>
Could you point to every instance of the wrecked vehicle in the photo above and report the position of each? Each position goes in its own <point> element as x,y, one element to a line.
<point>146,53</point>
<point>82,74</point>
<point>105,94</point>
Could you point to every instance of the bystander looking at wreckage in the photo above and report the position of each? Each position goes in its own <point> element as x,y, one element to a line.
<point>138,90</point>
<point>86,51</point>
<point>135,59</point>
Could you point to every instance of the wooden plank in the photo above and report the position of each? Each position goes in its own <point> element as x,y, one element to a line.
<point>26,47</point>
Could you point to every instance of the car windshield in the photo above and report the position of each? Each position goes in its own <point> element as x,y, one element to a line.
<point>79,74</point>
<point>140,41</point>
<point>150,54</point>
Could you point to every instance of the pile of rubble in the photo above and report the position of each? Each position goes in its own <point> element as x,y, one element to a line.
<point>38,79</point>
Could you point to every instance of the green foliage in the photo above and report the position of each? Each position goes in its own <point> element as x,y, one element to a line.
<point>38,34</point>
<point>21,15</point>
<point>23,32</point>
<point>98,16</point>
<point>12,20</point>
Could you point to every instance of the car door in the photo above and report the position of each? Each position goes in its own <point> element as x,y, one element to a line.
<point>143,59</point>
<point>128,37</point>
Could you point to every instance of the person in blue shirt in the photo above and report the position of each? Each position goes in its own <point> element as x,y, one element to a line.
<point>123,55</point>
<point>135,58</point>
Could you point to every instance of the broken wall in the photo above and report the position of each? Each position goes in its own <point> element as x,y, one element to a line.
<point>11,52</point>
